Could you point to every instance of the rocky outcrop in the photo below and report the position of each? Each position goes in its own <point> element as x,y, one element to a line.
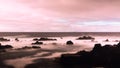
<point>37,43</point>
<point>44,39</point>
<point>5,46</point>
<point>107,55</point>
<point>28,47</point>
<point>85,38</point>
<point>3,39</point>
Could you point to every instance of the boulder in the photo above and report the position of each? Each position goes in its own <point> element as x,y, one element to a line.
<point>69,43</point>
<point>16,39</point>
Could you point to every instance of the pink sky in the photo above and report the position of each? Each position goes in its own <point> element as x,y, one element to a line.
<point>59,15</point>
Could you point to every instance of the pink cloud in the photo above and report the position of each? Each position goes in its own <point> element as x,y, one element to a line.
<point>57,15</point>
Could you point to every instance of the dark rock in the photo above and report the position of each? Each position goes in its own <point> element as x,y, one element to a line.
<point>85,38</point>
<point>36,47</point>
<point>69,43</point>
<point>5,46</point>
<point>100,56</point>
<point>118,44</point>
<point>107,40</point>
<point>97,48</point>
<point>36,39</point>
<point>3,39</point>
<point>37,43</point>
<point>16,39</point>
<point>44,39</point>
<point>26,47</point>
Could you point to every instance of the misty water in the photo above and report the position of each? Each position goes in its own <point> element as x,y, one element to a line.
<point>49,49</point>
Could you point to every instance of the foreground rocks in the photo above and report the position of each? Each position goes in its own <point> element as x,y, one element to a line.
<point>100,56</point>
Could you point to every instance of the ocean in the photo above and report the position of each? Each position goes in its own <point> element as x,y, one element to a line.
<point>58,34</point>
<point>18,58</point>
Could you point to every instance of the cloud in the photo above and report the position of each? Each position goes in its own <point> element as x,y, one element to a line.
<point>59,15</point>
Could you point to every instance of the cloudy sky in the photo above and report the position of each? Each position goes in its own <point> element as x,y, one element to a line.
<point>60,15</point>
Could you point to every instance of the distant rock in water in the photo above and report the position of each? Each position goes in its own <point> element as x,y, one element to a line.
<point>36,47</point>
<point>37,43</point>
<point>107,40</point>
<point>85,38</point>
<point>116,41</point>
<point>101,56</point>
<point>44,39</point>
<point>69,43</point>
<point>28,47</point>
<point>3,39</point>
<point>35,39</point>
<point>16,39</point>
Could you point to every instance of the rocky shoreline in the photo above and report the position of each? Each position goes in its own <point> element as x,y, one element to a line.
<point>101,56</point>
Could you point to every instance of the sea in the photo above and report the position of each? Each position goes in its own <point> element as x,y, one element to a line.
<point>51,49</point>
<point>26,38</point>
<point>58,34</point>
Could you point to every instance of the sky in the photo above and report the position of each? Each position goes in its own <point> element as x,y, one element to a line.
<point>59,15</point>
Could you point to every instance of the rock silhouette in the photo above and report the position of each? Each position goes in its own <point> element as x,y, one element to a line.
<point>85,38</point>
<point>107,40</point>
<point>44,39</point>
<point>36,47</point>
<point>5,46</point>
<point>101,56</point>
<point>69,43</point>
<point>16,39</point>
<point>3,39</point>
<point>27,47</point>
<point>37,43</point>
